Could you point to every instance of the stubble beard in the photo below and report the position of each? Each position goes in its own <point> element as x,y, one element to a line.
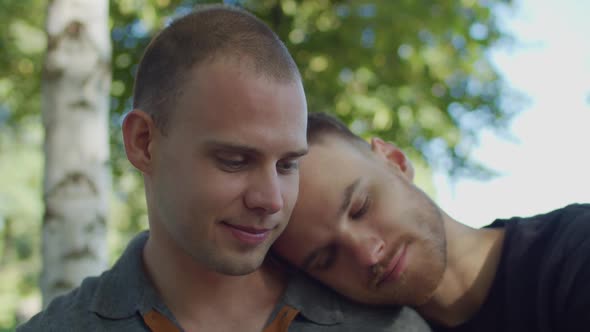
<point>418,283</point>
<point>233,263</point>
<point>431,261</point>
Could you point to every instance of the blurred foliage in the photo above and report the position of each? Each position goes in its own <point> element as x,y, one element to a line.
<point>22,43</point>
<point>411,71</point>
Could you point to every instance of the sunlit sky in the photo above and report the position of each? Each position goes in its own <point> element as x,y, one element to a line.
<point>547,164</point>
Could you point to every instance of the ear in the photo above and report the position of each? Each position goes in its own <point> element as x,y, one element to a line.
<point>138,134</point>
<point>394,155</point>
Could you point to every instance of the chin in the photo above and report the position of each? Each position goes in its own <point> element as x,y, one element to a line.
<point>236,272</point>
<point>406,293</point>
<point>239,267</point>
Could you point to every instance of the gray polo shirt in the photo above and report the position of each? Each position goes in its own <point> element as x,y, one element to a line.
<point>120,298</point>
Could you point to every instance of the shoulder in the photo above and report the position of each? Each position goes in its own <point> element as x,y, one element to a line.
<point>108,302</point>
<point>573,290</point>
<point>577,218</point>
<point>568,225</point>
<point>359,317</point>
<point>325,310</point>
<point>68,312</point>
<point>575,237</point>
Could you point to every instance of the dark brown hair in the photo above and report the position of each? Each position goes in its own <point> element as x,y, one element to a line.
<point>321,124</point>
<point>207,33</point>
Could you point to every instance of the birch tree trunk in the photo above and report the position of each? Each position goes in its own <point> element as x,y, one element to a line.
<point>75,102</point>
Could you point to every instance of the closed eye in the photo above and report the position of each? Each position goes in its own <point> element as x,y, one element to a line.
<point>358,213</point>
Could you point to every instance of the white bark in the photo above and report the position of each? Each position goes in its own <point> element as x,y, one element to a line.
<point>75,104</point>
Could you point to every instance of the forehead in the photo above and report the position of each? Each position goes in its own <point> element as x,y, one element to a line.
<point>332,164</point>
<point>329,168</point>
<point>229,99</point>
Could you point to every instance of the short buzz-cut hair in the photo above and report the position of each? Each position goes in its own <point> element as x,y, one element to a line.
<point>320,125</point>
<point>209,32</point>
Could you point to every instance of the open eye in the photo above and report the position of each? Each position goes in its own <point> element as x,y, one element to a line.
<point>231,162</point>
<point>288,165</point>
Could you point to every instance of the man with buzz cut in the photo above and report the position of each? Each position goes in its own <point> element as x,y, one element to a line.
<point>217,131</point>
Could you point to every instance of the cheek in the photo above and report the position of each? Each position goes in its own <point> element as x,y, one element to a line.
<point>199,185</point>
<point>344,277</point>
<point>289,191</point>
<point>290,244</point>
<point>289,248</point>
<point>217,188</point>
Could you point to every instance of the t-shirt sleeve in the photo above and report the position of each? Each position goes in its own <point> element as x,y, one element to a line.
<point>577,308</point>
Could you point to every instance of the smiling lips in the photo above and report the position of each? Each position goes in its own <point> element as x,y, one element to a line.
<point>390,269</point>
<point>248,235</point>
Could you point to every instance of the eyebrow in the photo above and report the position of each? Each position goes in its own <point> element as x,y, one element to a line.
<point>250,150</point>
<point>314,255</point>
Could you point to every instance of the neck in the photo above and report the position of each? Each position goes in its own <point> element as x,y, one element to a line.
<point>196,295</point>
<point>472,260</point>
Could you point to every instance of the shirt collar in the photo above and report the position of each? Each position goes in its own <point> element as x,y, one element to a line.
<point>126,289</point>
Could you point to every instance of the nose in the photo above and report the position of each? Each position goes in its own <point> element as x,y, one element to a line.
<point>264,194</point>
<point>367,248</point>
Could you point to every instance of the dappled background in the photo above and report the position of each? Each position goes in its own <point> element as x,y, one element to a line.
<point>414,72</point>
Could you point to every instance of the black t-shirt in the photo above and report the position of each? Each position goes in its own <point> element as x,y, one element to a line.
<point>543,278</point>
